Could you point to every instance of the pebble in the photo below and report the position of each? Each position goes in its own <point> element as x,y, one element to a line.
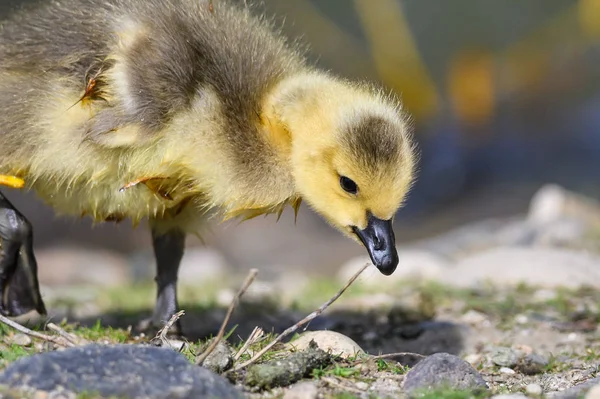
<point>510,396</point>
<point>441,369</point>
<point>220,359</point>
<point>534,389</point>
<point>363,386</point>
<point>336,343</point>
<point>532,363</point>
<point>118,370</point>
<point>302,390</point>
<point>546,267</point>
<point>506,357</point>
<point>21,340</point>
<point>507,370</point>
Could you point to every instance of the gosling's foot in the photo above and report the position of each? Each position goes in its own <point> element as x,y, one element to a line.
<point>19,287</point>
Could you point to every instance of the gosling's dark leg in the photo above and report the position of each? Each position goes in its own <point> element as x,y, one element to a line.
<point>19,286</point>
<point>168,250</point>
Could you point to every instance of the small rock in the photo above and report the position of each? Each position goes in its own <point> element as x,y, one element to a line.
<point>330,341</point>
<point>118,370</point>
<point>506,370</point>
<point>302,390</point>
<point>21,340</point>
<point>546,267</point>
<point>414,264</point>
<point>506,357</point>
<point>440,370</point>
<point>510,396</point>
<point>553,202</point>
<point>220,359</point>
<point>473,359</point>
<point>532,364</point>
<point>521,319</point>
<point>534,389</point>
<point>363,386</point>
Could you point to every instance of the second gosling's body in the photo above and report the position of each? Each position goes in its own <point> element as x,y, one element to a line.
<point>168,109</point>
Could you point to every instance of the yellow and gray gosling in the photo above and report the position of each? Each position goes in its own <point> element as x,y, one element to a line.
<point>174,110</point>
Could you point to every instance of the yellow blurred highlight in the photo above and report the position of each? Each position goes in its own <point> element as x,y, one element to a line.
<point>527,62</point>
<point>396,57</point>
<point>471,87</point>
<point>11,181</point>
<point>589,17</point>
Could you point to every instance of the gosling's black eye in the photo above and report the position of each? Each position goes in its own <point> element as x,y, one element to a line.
<point>348,185</point>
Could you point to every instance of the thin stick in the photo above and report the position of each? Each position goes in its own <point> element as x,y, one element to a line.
<point>307,319</point>
<point>256,335</point>
<point>22,329</point>
<point>162,333</point>
<point>64,334</point>
<point>249,279</point>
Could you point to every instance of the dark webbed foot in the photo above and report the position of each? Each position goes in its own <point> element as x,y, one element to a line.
<point>168,250</point>
<point>19,287</point>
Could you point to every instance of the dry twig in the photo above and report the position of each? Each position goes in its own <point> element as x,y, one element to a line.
<point>249,279</point>
<point>307,319</point>
<point>49,338</point>
<point>161,335</point>
<point>254,337</point>
<point>69,337</point>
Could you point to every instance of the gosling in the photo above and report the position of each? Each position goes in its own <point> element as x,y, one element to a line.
<point>178,110</point>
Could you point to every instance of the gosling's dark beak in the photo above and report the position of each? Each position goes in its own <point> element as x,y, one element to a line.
<point>378,238</point>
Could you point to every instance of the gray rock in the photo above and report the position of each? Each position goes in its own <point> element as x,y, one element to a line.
<point>121,370</point>
<point>505,357</point>
<point>510,396</point>
<point>532,364</point>
<point>220,359</point>
<point>443,370</point>
<point>540,266</point>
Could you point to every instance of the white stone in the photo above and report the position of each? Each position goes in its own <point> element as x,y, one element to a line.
<point>534,389</point>
<point>509,266</point>
<point>336,343</point>
<point>506,370</point>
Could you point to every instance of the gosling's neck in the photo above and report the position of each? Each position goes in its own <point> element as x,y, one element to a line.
<point>300,109</point>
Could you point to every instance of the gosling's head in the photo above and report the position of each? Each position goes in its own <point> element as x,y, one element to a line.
<point>353,163</point>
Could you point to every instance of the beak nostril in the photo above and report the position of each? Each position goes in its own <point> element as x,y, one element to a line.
<point>377,243</point>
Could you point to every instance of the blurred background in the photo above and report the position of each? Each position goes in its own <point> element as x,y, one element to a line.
<point>504,95</point>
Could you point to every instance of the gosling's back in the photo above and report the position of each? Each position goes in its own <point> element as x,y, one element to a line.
<point>150,61</point>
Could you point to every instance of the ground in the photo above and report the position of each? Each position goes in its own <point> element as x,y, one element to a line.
<point>535,336</point>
